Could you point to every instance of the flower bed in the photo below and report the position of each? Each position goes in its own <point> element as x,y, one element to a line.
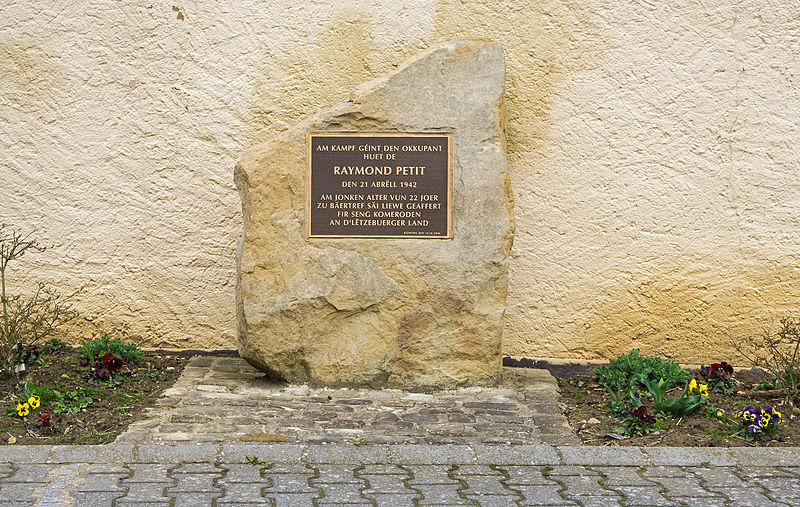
<point>66,396</point>
<point>645,401</point>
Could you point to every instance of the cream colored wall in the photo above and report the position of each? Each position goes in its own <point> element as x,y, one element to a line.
<point>652,148</point>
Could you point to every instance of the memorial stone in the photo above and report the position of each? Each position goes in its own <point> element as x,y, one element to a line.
<point>377,233</point>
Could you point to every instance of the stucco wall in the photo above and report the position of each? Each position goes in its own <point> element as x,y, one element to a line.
<point>652,149</point>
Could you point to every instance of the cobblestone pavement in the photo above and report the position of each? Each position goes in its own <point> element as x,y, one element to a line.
<point>220,399</point>
<point>395,474</point>
<point>350,447</point>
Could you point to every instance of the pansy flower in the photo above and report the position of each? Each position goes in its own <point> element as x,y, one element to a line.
<point>34,402</point>
<point>45,421</point>
<point>112,362</point>
<point>23,409</point>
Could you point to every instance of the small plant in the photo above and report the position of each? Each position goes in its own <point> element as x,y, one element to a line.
<point>693,396</point>
<point>777,353</point>
<point>106,369</point>
<point>72,402</point>
<point>55,346</point>
<point>754,422</point>
<point>93,350</point>
<point>712,412</point>
<point>719,377</point>
<point>151,371</point>
<point>638,421</point>
<point>255,460</point>
<point>626,371</point>
<point>26,320</point>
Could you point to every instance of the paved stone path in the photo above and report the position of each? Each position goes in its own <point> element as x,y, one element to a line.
<point>223,399</point>
<point>351,447</point>
<point>395,474</point>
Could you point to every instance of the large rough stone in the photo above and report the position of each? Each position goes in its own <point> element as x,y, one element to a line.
<point>414,314</point>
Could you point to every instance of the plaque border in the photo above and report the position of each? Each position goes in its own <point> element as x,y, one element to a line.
<point>340,133</point>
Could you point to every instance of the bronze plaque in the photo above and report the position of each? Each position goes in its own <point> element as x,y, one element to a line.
<point>365,185</point>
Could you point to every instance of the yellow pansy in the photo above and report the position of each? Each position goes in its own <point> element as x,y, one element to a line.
<point>23,409</point>
<point>34,402</point>
<point>703,389</point>
<point>719,413</point>
<point>763,422</point>
<point>692,386</point>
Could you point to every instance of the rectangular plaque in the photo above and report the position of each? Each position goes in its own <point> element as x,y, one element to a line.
<point>376,185</point>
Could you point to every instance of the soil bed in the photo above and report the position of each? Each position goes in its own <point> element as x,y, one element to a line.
<point>113,406</point>
<point>586,403</point>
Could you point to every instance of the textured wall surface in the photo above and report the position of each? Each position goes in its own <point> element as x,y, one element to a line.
<point>652,149</point>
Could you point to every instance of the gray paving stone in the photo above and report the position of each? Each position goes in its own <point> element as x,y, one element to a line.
<point>516,455</point>
<point>622,476</point>
<point>601,455</point>
<point>494,501</point>
<point>193,499</point>
<point>348,454</point>
<point>480,485</point>
<point>149,473</point>
<point>31,473</point>
<point>20,454</point>
<point>601,501</point>
<point>20,491</point>
<point>336,473</point>
<point>106,468</point>
<point>185,453</point>
<point>243,492</point>
<point>291,499</point>
<point>119,453</point>
<point>707,501</point>
<point>393,499</point>
<point>370,469</point>
<point>197,468</point>
<point>102,482</point>
<point>683,486</point>
<point>290,468</point>
<point>696,456</point>
<point>716,478</point>
<point>271,453</point>
<point>526,475</point>
<point>289,483</point>
<point>425,454</point>
<point>147,492</point>
<point>385,483</point>
<point>764,456</point>
<point>433,494</point>
<point>475,470</point>
<point>243,473</point>
<point>666,471</point>
<point>570,470</point>
<point>581,485</point>
<point>749,496</point>
<point>541,495</point>
<point>201,483</point>
<point>642,495</point>
<point>780,488</point>
<point>430,474</point>
<point>200,362</point>
<point>95,498</point>
<point>341,493</point>
<point>761,471</point>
